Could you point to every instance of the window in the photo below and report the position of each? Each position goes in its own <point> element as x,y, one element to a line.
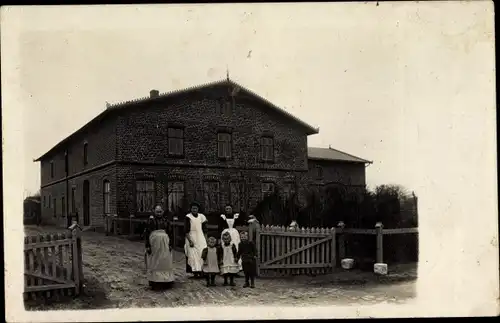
<point>63,206</point>
<point>223,107</point>
<point>288,191</point>
<point>50,199</point>
<point>236,195</point>
<point>176,141</point>
<point>175,197</point>
<point>211,193</point>
<point>224,145</point>
<point>267,148</point>
<point>44,201</point>
<point>52,169</point>
<point>318,171</point>
<point>145,195</point>
<point>267,189</point>
<point>55,209</point>
<point>73,200</point>
<point>85,154</point>
<point>66,169</point>
<point>106,189</point>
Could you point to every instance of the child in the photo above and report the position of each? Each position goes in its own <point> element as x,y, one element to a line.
<point>212,256</point>
<point>248,254</point>
<point>229,266</point>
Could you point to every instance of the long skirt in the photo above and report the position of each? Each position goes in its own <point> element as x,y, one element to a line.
<point>159,264</point>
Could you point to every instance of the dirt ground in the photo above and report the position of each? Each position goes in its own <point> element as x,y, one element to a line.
<point>115,278</point>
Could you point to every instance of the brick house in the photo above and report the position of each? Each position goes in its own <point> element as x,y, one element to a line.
<point>215,143</point>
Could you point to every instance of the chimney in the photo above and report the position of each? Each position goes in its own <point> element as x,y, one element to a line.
<point>154,93</point>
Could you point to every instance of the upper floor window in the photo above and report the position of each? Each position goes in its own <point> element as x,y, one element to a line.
<point>175,141</point>
<point>223,107</point>
<point>145,195</point>
<point>224,145</point>
<point>267,148</point>
<point>51,169</point>
<point>106,201</point>
<point>85,154</point>
<point>318,171</point>
<point>66,157</point>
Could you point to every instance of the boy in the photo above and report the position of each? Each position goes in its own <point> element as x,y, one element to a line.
<point>248,254</point>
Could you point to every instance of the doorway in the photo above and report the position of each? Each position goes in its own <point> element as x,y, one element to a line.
<point>86,203</point>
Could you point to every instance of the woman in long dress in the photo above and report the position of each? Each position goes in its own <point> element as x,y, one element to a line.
<point>195,226</point>
<point>228,222</point>
<point>159,265</point>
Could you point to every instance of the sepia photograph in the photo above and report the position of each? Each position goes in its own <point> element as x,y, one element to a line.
<point>248,155</point>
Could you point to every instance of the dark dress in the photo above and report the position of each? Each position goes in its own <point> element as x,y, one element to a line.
<point>187,229</point>
<point>248,254</point>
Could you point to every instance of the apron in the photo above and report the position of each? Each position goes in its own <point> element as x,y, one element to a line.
<point>229,266</point>
<point>211,265</point>
<point>159,263</point>
<point>196,234</point>
<point>235,235</point>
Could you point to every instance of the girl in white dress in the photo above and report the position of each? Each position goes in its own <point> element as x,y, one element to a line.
<point>195,229</point>
<point>228,223</point>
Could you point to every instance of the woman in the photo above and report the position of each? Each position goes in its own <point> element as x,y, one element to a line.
<point>159,266</point>
<point>228,222</point>
<point>195,226</point>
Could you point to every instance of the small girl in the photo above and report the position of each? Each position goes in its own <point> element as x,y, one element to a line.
<point>230,266</point>
<point>212,256</point>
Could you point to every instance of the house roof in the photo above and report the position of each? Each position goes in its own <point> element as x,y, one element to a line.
<point>113,107</point>
<point>317,153</point>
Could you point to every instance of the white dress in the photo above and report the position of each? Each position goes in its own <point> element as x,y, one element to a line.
<point>235,235</point>
<point>196,234</point>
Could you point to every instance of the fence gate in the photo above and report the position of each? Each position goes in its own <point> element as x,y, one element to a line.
<point>52,264</point>
<point>284,251</point>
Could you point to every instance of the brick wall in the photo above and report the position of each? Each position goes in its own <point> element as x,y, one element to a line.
<point>143,132</point>
<point>336,171</point>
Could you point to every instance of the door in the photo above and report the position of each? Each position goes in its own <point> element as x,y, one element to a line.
<point>86,203</point>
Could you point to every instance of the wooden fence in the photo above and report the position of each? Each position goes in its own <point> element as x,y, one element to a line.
<point>288,251</point>
<point>283,250</point>
<point>53,264</point>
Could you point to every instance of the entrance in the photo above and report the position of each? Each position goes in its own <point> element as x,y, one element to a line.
<point>86,203</point>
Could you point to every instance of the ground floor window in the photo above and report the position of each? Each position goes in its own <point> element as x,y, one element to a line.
<point>236,195</point>
<point>175,196</point>
<point>55,209</point>
<point>267,189</point>
<point>106,201</point>
<point>63,206</point>
<point>288,191</point>
<point>73,200</point>
<point>145,195</point>
<point>212,196</point>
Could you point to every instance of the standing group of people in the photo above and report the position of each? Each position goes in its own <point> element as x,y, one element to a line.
<point>207,255</point>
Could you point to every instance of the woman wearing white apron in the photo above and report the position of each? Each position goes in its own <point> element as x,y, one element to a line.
<point>159,266</point>
<point>195,228</point>
<point>228,223</point>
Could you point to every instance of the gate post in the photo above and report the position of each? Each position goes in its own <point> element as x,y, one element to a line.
<point>340,227</point>
<point>380,242</point>
<point>257,246</point>
<point>77,257</point>
<point>333,251</point>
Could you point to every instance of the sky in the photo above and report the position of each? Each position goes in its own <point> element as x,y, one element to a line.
<point>375,80</point>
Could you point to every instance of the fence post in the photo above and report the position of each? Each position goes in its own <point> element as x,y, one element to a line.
<point>257,246</point>
<point>340,229</point>
<point>334,251</point>
<point>380,242</point>
<point>77,257</point>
